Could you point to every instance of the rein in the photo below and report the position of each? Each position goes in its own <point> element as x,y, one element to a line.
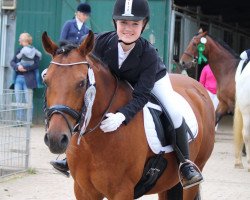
<point>103,116</point>
<point>83,118</point>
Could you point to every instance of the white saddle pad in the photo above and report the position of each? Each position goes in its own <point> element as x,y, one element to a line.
<point>151,134</point>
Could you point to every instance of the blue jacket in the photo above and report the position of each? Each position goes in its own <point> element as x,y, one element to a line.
<point>29,75</point>
<point>71,33</point>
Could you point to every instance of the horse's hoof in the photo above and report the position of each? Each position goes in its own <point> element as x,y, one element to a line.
<point>238,166</point>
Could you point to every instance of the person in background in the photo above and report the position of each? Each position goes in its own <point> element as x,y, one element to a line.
<point>27,55</point>
<point>132,58</point>
<point>25,78</point>
<point>73,30</point>
<point>208,80</point>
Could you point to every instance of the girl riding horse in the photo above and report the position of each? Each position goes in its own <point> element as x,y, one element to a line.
<point>132,58</point>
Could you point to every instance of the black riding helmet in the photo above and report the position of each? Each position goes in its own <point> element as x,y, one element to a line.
<point>84,8</point>
<point>133,10</point>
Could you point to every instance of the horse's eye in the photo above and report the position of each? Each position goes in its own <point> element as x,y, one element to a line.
<point>82,83</point>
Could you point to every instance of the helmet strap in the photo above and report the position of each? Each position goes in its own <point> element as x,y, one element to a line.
<point>126,42</point>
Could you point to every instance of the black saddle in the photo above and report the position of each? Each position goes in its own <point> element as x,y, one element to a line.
<point>156,165</point>
<point>163,123</point>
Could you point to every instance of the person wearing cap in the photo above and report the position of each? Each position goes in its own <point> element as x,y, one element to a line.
<point>73,30</point>
<point>132,58</point>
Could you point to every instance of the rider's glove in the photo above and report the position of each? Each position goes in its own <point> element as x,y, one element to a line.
<point>112,122</point>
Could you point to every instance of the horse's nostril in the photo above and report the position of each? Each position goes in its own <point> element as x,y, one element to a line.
<point>64,140</point>
<point>46,139</point>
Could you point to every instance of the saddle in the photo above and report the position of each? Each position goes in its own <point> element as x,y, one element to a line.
<point>156,165</point>
<point>163,123</point>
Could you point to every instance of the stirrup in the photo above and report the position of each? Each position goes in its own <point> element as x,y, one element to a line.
<point>64,173</point>
<point>181,177</point>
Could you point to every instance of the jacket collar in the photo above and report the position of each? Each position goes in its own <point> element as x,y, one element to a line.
<point>133,58</point>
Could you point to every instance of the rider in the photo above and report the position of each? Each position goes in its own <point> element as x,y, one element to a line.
<point>132,58</point>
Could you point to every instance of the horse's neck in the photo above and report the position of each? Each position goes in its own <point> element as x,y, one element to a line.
<point>105,90</point>
<point>221,61</point>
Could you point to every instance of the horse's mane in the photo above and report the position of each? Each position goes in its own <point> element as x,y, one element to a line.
<point>225,45</point>
<point>65,47</point>
<point>97,60</point>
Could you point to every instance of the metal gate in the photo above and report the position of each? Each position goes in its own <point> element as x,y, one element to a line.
<point>15,120</point>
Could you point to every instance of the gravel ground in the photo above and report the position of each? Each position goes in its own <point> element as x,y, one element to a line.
<point>222,181</point>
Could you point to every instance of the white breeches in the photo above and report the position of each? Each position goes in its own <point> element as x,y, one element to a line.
<point>164,92</point>
<point>214,99</point>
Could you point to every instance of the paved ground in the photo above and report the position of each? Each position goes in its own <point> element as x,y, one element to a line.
<point>222,181</point>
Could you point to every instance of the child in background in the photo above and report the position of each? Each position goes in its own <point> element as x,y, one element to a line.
<point>27,55</point>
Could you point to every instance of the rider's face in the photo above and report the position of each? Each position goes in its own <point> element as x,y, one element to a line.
<point>129,31</point>
<point>82,16</point>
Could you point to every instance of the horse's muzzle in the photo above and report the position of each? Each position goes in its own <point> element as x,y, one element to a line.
<point>57,145</point>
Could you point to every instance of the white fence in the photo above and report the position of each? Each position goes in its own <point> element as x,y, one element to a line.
<point>15,119</point>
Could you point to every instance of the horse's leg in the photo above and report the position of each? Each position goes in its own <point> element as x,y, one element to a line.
<point>220,111</point>
<point>238,139</point>
<point>191,193</point>
<point>123,196</point>
<point>246,137</point>
<point>86,195</point>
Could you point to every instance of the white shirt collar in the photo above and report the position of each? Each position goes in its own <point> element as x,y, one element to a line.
<point>122,55</point>
<point>79,23</point>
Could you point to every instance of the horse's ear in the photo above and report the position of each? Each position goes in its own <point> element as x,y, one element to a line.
<point>87,44</point>
<point>49,46</point>
<point>203,34</point>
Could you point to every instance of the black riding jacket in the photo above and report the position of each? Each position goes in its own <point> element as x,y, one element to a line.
<point>142,68</point>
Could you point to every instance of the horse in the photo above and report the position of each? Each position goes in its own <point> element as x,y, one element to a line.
<point>242,114</point>
<point>223,62</point>
<point>111,164</point>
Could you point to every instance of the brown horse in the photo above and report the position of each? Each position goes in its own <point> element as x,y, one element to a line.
<point>110,165</point>
<point>223,62</point>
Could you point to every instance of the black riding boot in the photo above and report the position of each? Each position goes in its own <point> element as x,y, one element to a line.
<point>61,166</point>
<point>190,174</point>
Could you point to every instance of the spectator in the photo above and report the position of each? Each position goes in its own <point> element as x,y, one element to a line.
<point>208,80</point>
<point>73,30</point>
<point>25,78</point>
<point>27,54</point>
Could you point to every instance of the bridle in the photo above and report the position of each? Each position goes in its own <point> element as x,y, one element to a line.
<point>80,117</point>
<point>193,57</point>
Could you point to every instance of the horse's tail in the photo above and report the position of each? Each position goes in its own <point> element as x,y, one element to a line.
<point>237,128</point>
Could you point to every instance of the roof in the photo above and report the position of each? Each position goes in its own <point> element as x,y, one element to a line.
<point>235,13</point>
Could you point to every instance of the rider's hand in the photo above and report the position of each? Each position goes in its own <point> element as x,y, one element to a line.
<point>112,122</point>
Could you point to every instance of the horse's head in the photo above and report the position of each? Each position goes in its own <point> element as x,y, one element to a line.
<point>66,80</point>
<point>190,56</point>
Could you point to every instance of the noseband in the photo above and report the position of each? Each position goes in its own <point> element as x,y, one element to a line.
<point>82,118</point>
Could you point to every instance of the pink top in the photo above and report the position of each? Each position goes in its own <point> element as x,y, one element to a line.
<point>207,79</point>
